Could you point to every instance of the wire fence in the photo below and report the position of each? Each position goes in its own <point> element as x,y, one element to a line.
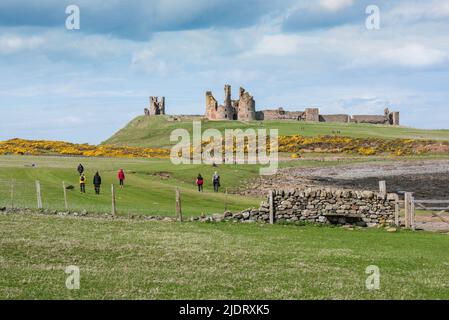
<point>20,194</point>
<point>17,194</point>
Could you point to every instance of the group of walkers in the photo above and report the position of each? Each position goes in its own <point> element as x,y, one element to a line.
<point>215,182</point>
<point>97,180</point>
<point>121,179</point>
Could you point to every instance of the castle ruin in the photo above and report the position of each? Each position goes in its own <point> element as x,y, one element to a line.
<point>157,107</point>
<point>244,109</point>
<point>314,115</point>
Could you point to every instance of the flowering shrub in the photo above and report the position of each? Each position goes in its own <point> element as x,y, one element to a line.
<point>362,146</point>
<point>294,145</point>
<point>41,147</point>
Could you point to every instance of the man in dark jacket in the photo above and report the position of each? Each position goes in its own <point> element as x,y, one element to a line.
<point>80,169</point>
<point>216,181</point>
<point>97,183</point>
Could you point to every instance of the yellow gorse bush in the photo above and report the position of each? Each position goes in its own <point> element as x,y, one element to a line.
<point>294,145</point>
<point>362,146</point>
<point>43,147</point>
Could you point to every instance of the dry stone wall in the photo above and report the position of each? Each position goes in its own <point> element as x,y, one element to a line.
<point>327,206</point>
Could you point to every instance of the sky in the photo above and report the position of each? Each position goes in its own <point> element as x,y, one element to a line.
<point>84,85</point>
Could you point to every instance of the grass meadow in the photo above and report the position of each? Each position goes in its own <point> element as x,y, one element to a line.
<point>131,259</point>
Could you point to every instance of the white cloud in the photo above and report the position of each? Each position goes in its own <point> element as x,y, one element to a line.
<point>277,45</point>
<point>335,5</point>
<point>414,11</point>
<point>13,43</point>
<point>146,60</point>
<point>414,55</point>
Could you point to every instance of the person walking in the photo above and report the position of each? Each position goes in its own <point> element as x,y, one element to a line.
<point>200,183</point>
<point>83,183</point>
<point>97,183</point>
<point>216,181</point>
<point>80,169</point>
<point>121,178</point>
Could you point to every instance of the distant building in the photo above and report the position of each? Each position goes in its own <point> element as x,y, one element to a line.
<point>244,109</point>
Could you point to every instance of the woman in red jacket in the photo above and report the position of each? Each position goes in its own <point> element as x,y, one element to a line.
<point>121,178</point>
<point>199,183</point>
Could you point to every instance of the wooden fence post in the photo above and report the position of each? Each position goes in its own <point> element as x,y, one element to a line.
<point>271,207</point>
<point>12,194</point>
<point>407,206</point>
<point>226,200</point>
<point>383,186</point>
<point>178,205</point>
<point>412,212</point>
<point>66,205</point>
<point>114,211</point>
<point>39,195</point>
<point>397,210</point>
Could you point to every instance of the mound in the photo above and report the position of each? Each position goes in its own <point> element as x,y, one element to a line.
<point>145,131</point>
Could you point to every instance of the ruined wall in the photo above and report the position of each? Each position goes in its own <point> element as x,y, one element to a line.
<point>344,118</point>
<point>394,118</point>
<point>156,107</point>
<point>280,114</point>
<point>260,116</point>
<point>312,114</point>
<point>243,109</point>
<point>214,111</point>
<point>211,106</point>
<point>391,118</point>
<point>369,119</point>
<point>325,205</point>
<point>246,106</point>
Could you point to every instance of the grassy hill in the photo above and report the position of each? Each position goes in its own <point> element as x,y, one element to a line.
<point>155,131</point>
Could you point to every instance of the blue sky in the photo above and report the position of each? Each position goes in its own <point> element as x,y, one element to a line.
<point>83,85</point>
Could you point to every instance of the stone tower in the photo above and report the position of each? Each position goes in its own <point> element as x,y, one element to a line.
<point>246,106</point>
<point>211,106</point>
<point>242,109</point>
<point>312,114</point>
<point>157,107</point>
<point>214,111</point>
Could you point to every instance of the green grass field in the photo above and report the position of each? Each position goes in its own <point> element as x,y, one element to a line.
<point>129,259</point>
<point>146,192</point>
<point>135,259</point>
<point>155,131</point>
